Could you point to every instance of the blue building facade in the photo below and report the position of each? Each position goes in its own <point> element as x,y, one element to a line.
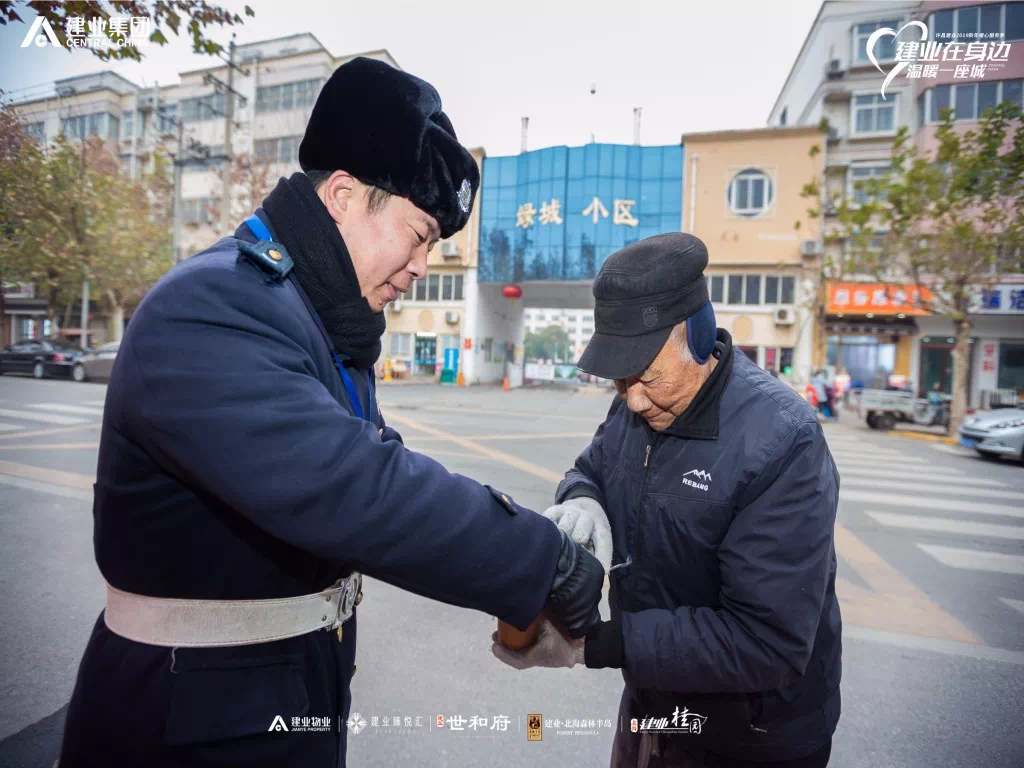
<point>558,213</point>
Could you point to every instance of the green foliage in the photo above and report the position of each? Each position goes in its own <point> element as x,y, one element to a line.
<point>551,343</point>
<point>163,14</point>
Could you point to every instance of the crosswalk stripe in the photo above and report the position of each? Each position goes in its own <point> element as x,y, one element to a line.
<point>976,560</point>
<point>842,458</point>
<point>45,418</point>
<point>947,476</point>
<point>8,427</point>
<point>960,489</point>
<point>75,409</point>
<point>943,525</point>
<point>1016,604</point>
<point>929,503</point>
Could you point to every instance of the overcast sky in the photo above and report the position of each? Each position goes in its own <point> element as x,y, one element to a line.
<point>692,65</point>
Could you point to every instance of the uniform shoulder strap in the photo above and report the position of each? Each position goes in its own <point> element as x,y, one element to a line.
<point>269,256</point>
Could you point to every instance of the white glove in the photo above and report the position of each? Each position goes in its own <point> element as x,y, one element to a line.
<point>584,520</point>
<point>552,650</point>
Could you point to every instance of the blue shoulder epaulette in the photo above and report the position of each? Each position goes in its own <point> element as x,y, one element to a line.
<point>269,256</point>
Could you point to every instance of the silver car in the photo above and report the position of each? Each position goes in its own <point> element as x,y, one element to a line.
<point>995,433</point>
<point>96,365</point>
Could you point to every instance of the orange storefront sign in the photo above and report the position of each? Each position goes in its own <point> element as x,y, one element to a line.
<point>877,299</point>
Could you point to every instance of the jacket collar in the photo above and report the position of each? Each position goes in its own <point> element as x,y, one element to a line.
<point>700,420</point>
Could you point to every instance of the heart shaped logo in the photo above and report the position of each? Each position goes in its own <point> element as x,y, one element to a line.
<point>900,65</point>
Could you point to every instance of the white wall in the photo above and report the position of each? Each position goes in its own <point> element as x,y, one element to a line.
<point>489,315</point>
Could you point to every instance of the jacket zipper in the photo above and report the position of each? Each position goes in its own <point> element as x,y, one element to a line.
<point>651,441</point>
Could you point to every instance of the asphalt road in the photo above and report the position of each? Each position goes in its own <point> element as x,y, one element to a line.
<point>930,538</point>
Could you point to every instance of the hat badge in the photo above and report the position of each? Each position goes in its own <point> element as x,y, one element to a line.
<point>465,195</point>
<point>650,315</point>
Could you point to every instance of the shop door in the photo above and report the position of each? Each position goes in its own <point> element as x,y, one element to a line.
<point>426,355</point>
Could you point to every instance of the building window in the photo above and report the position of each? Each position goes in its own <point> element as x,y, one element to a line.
<point>167,118</point>
<point>750,193</point>
<point>278,98</point>
<point>859,175</point>
<point>283,150</point>
<point>771,290</point>
<point>128,124</point>
<point>458,287</point>
<point>782,117</point>
<point>446,341</point>
<point>211,107</point>
<point>735,289</point>
<point>992,21</point>
<point>487,347</point>
<point>885,46</point>
<point>447,285</point>
<point>717,288</point>
<point>420,290</point>
<point>753,290</point>
<point>37,131</point>
<point>873,114</point>
<point>401,344</point>
<point>970,101</point>
<point>97,124</point>
<point>433,287</point>
<point>201,210</point>
<point>1011,365</point>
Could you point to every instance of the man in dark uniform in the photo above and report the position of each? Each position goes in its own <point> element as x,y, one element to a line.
<point>246,478</point>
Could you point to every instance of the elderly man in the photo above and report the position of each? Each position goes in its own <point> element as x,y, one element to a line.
<point>712,491</point>
<point>246,477</point>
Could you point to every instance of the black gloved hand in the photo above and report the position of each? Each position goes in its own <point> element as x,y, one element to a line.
<point>387,434</point>
<point>576,590</point>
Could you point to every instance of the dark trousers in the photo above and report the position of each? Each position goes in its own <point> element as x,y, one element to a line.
<point>634,750</point>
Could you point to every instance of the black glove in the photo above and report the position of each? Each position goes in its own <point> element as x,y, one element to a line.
<point>576,590</point>
<point>387,434</point>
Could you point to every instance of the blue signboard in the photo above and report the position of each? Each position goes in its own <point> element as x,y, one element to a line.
<point>558,213</point>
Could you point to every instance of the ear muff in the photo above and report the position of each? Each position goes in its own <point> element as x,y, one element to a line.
<point>700,333</point>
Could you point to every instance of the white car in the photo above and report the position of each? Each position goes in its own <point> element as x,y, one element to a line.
<point>995,433</point>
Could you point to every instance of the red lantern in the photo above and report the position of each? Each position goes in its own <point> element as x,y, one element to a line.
<point>512,292</point>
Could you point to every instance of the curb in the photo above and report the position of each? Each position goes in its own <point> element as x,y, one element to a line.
<point>923,436</point>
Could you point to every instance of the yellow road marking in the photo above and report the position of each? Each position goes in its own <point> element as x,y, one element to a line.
<point>44,475</point>
<point>548,436</point>
<point>483,450</point>
<point>47,432</point>
<point>892,603</point>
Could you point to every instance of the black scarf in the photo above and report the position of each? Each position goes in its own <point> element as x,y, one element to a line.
<point>324,269</point>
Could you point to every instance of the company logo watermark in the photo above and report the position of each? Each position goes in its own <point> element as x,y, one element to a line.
<point>302,724</point>
<point>98,33</point>
<point>970,59</point>
<point>682,721</point>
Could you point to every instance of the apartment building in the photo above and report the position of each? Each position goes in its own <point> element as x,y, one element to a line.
<point>278,81</point>
<point>832,77</point>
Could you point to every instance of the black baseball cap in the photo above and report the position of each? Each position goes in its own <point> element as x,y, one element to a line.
<point>641,293</point>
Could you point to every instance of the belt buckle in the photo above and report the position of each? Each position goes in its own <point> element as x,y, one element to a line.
<point>351,596</point>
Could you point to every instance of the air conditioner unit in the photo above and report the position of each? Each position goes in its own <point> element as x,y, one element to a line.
<point>836,68</point>
<point>449,250</point>
<point>784,316</point>
<point>396,305</point>
<point>833,136</point>
<point>809,248</point>
<point>451,317</point>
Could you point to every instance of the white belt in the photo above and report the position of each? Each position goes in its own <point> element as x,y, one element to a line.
<point>207,623</point>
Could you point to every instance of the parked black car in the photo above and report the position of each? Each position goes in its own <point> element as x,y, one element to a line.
<point>40,357</point>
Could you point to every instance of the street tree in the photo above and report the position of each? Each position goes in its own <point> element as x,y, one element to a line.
<point>252,180</point>
<point>190,17</point>
<point>551,343</point>
<point>946,221</point>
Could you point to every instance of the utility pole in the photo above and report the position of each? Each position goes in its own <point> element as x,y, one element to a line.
<point>225,202</point>
<point>85,313</point>
<point>179,160</point>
